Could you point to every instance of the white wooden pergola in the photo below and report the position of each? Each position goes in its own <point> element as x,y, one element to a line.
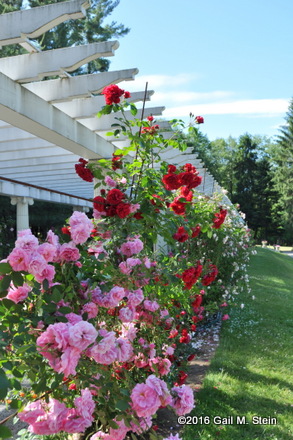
<point>47,125</point>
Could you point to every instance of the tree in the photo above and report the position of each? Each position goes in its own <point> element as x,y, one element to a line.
<point>254,188</point>
<point>282,156</point>
<point>73,32</point>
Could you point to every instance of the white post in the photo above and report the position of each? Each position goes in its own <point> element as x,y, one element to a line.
<point>22,214</point>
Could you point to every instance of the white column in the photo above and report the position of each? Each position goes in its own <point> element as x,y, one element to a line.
<point>22,214</point>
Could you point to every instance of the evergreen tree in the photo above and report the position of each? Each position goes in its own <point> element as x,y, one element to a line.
<point>73,32</point>
<point>282,156</point>
<point>254,188</point>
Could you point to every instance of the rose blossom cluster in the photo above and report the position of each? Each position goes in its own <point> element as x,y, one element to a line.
<point>53,417</point>
<point>82,171</point>
<point>30,256</point>
<point>191,275</point>
<point>185,179</point>
<point>148,397</point>
<point>63,344</point>
<point>113,204</point>
<point>182,235</point>
<point>113,94</point>
<point>219,218</point>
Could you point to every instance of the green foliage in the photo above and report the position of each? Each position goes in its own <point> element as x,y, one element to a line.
<point>243,167</point>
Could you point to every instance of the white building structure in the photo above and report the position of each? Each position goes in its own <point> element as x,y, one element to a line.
<point>47,125</point>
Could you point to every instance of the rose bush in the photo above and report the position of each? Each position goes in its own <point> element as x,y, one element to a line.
<point>80,311</point>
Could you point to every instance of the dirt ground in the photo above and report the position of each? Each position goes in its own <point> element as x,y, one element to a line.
<point>207,341</point>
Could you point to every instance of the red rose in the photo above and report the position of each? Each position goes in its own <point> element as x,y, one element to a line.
<point>82,171</point>
<point>219,218</point>
<point>199,120</point>
<point>181,235</point>
<point>112,94</point>
<point>195,182</point>
<point>150,118</point>
<point>195,231</point>
<point>138,216</point>
<point>189,168</point>
<point>186,178</point>
<point>123,210</point>
<point>116,161</point>
<point>65,230</point>
<point>182,377</point>
<point>178,207</point>
<point>171,181</point>
<point>150,130</point>
<point>111,211</point>
<point>171,169</point>
<point>190,276</point>
<point>197,302</point>
<point>127,95</point>
<point>186,193</point>
<point>115,196</point>
<point>99,203</point>
<point>211,276</point>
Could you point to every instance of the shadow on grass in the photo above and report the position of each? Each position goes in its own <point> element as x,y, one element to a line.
<point>248,376</point>
<point>219,405</point>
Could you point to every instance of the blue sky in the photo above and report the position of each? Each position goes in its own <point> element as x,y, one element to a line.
<point>230,61</point>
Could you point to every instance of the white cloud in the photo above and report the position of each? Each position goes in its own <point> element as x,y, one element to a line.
<point>264,107</point>
<point>176,93</point>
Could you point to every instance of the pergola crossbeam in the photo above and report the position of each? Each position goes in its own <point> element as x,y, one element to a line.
<point>16,27</point>
<point>36,66</point>
<point>66,89</point>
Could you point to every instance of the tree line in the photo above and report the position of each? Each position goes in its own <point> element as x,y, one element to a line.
<point>257,172</point>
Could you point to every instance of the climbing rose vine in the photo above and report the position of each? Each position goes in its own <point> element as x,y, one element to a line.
<point>81,308</point>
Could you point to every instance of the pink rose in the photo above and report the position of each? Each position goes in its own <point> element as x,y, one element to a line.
<point>19,259</point>
<point>183,402</point>
<point>18,294</point>
<point>69,252</point>
<point>81,335</point>
<point>145,400</point>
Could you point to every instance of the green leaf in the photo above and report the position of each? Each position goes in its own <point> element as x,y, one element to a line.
<point>5,432</point>
<point>125,392</point>
<point>113,425</point>
<point>5,268</point>
<point>46,284</point>
<point>17,278</point>
<point>133,109</point>
<point>65,310</point>
<point>7,304</point>
<point>17,373</point>
<point>56,295</point>
<point>5,282</point>
<point>16,404</point>
<point>4,385</point>
<point>123,405</point>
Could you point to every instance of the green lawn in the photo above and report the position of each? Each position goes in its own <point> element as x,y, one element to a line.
<point>252,371</point>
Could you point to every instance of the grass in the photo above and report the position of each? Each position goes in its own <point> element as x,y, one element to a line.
<point>252,371</point>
